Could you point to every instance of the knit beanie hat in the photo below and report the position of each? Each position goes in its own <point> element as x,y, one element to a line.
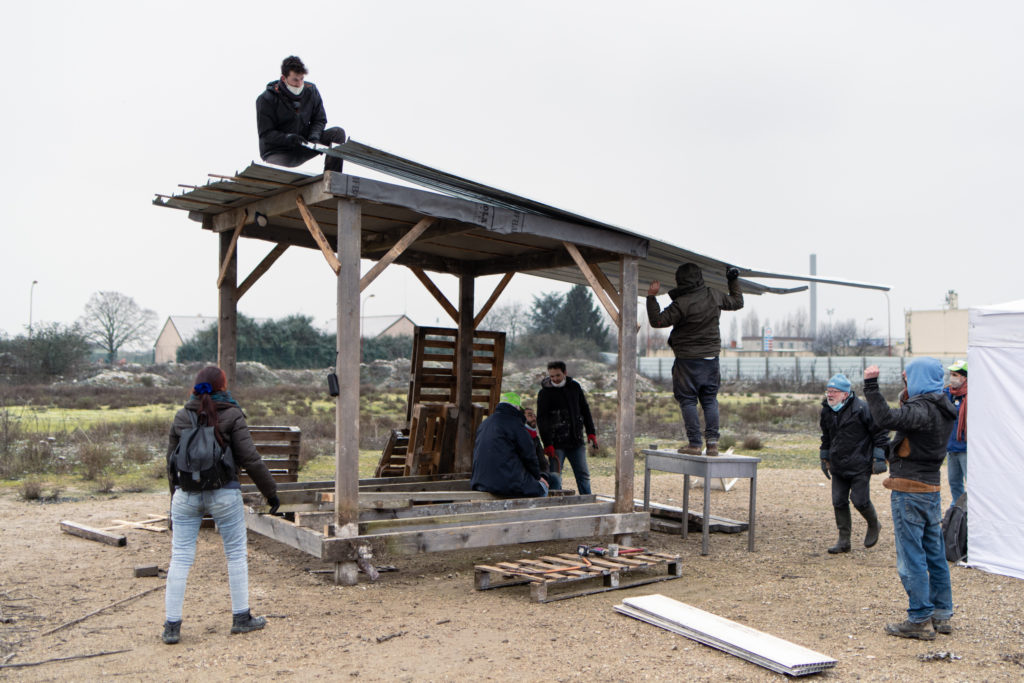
<point>839,382</point>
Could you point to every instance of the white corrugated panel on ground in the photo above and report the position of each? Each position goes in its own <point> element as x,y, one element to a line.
<point>742,641</point>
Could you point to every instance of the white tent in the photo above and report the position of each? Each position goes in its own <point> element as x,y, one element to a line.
<point>995,433</point>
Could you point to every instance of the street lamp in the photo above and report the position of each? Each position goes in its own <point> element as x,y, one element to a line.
<point>888,324</point>
<point>31,289</point>
<point>362,307</point>
<point>866,321</point>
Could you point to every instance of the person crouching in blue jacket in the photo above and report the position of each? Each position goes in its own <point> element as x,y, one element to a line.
<point>504,460</point>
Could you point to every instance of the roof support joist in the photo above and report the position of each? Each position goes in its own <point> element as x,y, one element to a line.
<point>436,293</point>
<point>260,269</point>
<point>313,193</point>
<point>383,241</point>
<point>538,261</point>
<point>395,252</point>
<point>318,235</point>
<point>231,251</point>
<point>490,301</point>
<point>595,283</point>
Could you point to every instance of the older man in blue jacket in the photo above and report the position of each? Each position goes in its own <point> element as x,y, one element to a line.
<point>504,459</point>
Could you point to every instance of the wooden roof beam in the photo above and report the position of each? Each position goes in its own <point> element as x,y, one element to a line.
<point>595,283</point>
<point>519,263</point>
<point>318,235</point>
<point>382,241</point>
<point>283,202</point>
<point>395,252</point>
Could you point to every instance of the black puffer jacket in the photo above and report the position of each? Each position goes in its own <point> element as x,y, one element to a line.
<point>850,437</point>
<point>694,314</point>
<point>563,414</point>
<point>278,113</point>
<point>925,421</point>
<point>504,461</point>
<point>232,426</point>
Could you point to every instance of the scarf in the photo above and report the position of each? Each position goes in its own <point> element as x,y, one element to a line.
<point>961,420</point>
<point>223,396</point>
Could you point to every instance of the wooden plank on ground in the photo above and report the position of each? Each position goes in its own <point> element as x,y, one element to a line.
<point>541,514</point>
<point>93,534</point>
<point>283,531</point>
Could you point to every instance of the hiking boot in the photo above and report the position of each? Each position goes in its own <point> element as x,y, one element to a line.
<point>942,626</point>
<point>843,522</point>
<point>690,450</point>
<point>243,622</point>
<point>871,537</point>
<point>712,449</point>
<point>909,629</point>
<point>172,632</point>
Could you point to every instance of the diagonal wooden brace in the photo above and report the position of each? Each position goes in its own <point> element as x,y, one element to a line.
<point>260,269</point>
<point>231,250</point>
<point>595,283</point>
<point>318,235</point>
<point>436,293</point>
<point>395,251</point>
<point>494,297</point>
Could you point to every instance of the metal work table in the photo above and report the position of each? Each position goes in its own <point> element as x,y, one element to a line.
<point>722,466</point>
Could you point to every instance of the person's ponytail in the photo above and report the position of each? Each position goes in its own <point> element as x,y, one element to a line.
<point>210,380</point>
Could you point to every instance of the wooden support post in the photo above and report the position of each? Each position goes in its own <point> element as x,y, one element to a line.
<point>227,309</point>
<point>626,420</point>
<point>260,269</point>
<point>494,297</point>
<point>464,377</point>
<point>346,573</point>
<point>346,469</point>
<point>395,251</point>
<point>435,292</point>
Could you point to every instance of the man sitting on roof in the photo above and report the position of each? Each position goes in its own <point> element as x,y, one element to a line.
<point>504,461</point>
<point>290,112</point>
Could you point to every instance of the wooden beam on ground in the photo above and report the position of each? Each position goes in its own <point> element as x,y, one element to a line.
<point>494,297</point>
<point>435,292</point>
<point>227,311</point>
<point>541,514</point>
<point>225,262</point>
<point>595,284</point>
<point>346,469</point>
<point>318,235</point>
<point>463,460</point>
<point>284,202</point>
<point>260,269</point>
<point>283,531</point>
<point>93,534</point>
<point>625,424</point>
<point>395,252</point>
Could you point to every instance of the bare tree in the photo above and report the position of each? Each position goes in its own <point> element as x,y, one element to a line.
<point>113,320</point>
<point>751,325</point>
<point>510,318</point>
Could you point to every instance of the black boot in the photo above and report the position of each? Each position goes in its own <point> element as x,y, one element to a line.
<point>844,523</point>
<point>243,622</point>
<point>172,632</point>
<point>868,513</point>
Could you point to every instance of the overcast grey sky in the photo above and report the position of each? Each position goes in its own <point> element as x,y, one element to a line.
<point>885,137</point>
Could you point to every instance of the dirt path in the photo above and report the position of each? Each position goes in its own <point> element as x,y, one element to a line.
<point>443,630</point>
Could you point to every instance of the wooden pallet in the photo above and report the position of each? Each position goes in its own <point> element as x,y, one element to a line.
<point>556,570</point>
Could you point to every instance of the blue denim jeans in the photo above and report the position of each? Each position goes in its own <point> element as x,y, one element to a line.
<point>956,472</point>
<point>187,510</point>
<point>577,457</point>
<point>696,380</point>
<point>921,555</point>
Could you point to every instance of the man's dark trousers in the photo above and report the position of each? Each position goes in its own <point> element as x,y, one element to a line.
<point>696,380</point>
<point>300,155</point>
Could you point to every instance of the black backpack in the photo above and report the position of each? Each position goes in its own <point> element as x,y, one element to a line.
<point>954,530</point>
<point>199,462</point>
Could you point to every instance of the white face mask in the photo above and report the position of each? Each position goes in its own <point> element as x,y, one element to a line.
<point>558,385</point>
<point>295,90</point>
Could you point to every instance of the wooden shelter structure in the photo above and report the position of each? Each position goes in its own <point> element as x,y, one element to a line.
<point>469,231</point>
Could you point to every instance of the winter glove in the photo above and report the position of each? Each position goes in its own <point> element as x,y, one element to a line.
<point>878,465</point>
<point>592,438</point>
<point>824,463</point>
<point>274,502</point>
<point>315,138</point>
<point>294,140</point>
<point>550,452</point>
<point>731,273</point>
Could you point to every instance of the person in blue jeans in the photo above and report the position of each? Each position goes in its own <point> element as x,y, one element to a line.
<point>212,404</point>
<point>956,449</point>
<point>922,422</point>
<point>563,417</point>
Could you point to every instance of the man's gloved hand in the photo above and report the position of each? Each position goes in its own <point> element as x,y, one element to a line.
<point>731,273</point>
<point>592,438</point>
<point>294,139</point>
<point>878,465</point>
<point>274,502</point>
<point>550,452</point>
<point>315,138</point>
<point>823,453</point>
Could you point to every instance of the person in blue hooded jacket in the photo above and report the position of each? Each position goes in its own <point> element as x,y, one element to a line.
<point>922,422</point>
<point>852,449</point>
<point>504,459</point>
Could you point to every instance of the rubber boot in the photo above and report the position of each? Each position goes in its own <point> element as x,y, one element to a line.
<point>844,523</point>
<point>868,513</point>
<point>243,622</point>
<point>172,632</point>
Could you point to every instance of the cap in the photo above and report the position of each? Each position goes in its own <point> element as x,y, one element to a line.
<point>958,366</point>
<point>512,398</point>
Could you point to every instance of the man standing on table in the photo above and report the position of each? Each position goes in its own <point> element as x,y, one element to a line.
<point>562,416</point>
<point>922,423</point>
<point>696,341</point>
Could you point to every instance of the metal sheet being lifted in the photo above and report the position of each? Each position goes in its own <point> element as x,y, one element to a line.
<point>718,632</point>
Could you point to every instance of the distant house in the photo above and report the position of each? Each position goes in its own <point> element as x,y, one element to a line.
<point>372,326</point>
<point>176,331</point>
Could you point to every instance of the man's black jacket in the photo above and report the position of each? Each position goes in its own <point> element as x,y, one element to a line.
<point>562,414</point>
<point>850,436</point>
<point>504,461</point>
<point>279,112</point>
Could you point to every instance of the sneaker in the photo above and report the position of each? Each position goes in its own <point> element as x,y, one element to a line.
<point>942,626</point>
<point>908,629</point>
<point>244,622</point>
<point>172,632</point>
<point>712,449</point>
<point>690,450</point>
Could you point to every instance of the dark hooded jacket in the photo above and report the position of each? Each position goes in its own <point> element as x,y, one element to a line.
<point>504,461</point>
<point>694,313</point>
<point>279,112</point>
<point>850,437</point>
<point>923,422</point>
<point>563,414</point>
<point>233,428</point>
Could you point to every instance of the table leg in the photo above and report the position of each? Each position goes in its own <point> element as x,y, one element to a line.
<point>647,488</point>
<point>706,524</point>
<point>686,505</point>
<point>752,513</point>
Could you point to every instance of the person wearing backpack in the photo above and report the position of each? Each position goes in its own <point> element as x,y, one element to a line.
<point>202,470</point>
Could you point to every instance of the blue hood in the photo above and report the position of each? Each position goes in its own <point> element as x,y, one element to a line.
<point>924,376</point>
